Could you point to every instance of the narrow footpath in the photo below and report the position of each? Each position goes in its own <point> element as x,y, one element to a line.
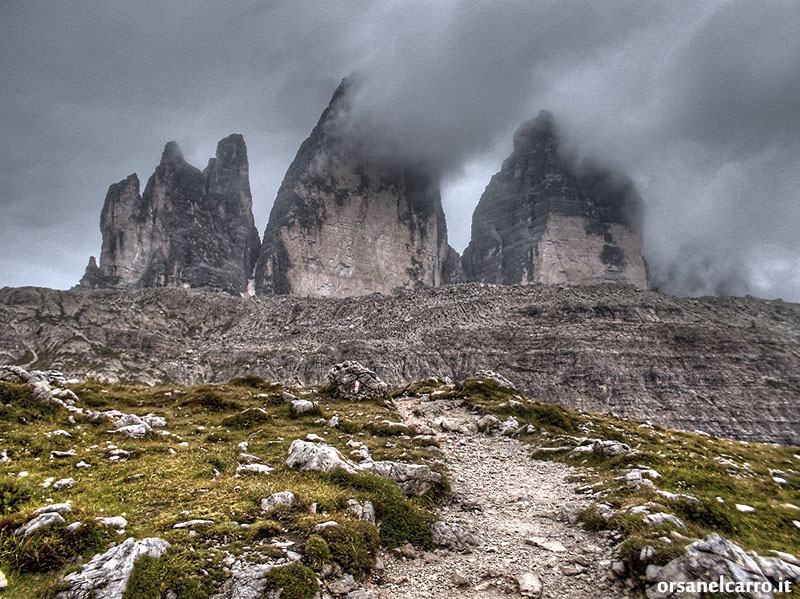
<point>517,506</point>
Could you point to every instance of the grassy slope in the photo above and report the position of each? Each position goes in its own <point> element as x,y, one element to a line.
<point>157,487</point>
<point>163,483</point>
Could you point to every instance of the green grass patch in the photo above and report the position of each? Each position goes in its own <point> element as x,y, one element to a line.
<point>296,581</point>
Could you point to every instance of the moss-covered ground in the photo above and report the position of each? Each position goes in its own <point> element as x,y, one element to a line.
<point>166,480</point>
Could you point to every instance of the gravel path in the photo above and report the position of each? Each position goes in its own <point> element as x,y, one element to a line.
<point>507,498</point>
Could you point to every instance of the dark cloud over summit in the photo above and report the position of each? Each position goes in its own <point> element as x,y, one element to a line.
<point>698,102</point>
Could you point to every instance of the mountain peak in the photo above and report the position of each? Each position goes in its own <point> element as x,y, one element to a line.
<point>172,154</point>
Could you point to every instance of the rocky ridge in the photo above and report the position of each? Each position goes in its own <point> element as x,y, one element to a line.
<point>544,219</point>
<point>188,229</point>
<point>723,365</point>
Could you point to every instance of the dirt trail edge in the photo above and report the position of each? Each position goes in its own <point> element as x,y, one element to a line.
<point>516,505</point>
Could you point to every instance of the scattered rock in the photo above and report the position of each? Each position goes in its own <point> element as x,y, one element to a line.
<point>303,406</point>
<point>356,382</point>
<point>106,575</point>
<point>745,509</point>
<point>305,456</point>
<point>286,498</point>
<point>787,557</point>
<point>529,585</point>
<point>413,479</point>
<point>41,521</point>
<point>64,483</point>
<point>58,508</point>
<point>555,546</point>
<point>496,377</point>
<point>610,449</point>
<point>193,523</point>
<point>454,536</point>
<point>714,557</point>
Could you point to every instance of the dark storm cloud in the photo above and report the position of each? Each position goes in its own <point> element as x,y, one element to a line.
<point>696,101</point>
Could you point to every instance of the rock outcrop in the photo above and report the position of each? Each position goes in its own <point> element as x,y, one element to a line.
<point>188,229</point>
<point>715,558</point>
<point>106,575</point>
<point>346,224</point>
<point>542,219</point>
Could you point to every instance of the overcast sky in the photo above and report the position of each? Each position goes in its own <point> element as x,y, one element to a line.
<point>697,101</point>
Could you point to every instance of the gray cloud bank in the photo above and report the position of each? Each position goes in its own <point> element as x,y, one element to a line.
<point>698,102</point>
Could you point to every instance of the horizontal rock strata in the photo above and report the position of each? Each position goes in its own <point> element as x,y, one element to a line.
<point>728,366</point>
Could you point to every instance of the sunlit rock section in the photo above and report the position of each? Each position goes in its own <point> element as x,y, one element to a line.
<point>541,219</point>
<point>188,229</point>
<point>346,224</point>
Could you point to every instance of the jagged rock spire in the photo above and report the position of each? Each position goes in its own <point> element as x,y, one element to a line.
<point>342,224</point>
<point>542,219</point>
<point>188,229</point>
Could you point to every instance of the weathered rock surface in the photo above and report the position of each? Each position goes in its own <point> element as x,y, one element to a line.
<point>188,229</point>
<point>286,498</point>
<point>728,366</point>
<point>545,220</point>
<point>305,455</point>
<point>354,381</point>
<point>344,224</point>
<point>413,479</point>
<point>106,575</point>
<point>715,557</point>
<point>454,536</point>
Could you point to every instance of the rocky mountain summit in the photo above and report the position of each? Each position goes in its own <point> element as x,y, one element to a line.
<point>352,218</point>
<point>188,229</point>
<point>727,366</point>
<point>544,219</point>
<point>346,224</point>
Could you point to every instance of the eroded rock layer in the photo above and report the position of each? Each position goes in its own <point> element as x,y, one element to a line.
<point>344,224</point>
<point>188,229</point>
<point>728,366</point>
<point>544,220</point>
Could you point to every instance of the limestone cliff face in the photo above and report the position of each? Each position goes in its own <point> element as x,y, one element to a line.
<point>541,220</point>
<point>344,225</point>
<point>188,229</point>
<point>728,366</point>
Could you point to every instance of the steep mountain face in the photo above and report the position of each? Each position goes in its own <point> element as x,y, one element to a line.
<point>188,229</point>
<point>728,366</point>
<point>543,220</point>
<point>344,224</point>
